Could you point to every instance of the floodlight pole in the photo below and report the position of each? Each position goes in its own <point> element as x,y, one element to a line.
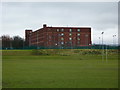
<point>102,47</point>
<point>99,42</point>
<point>106,52</point>
<point>113,39</point>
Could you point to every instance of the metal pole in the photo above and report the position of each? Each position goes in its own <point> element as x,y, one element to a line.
<point>99,42</point>
<point>113,40</point>
<point>102,47</point>
<point>106,53</point>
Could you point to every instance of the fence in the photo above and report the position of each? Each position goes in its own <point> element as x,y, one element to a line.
<point>75,47</point>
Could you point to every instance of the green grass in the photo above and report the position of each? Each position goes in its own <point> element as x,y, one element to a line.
<point>56,71</point>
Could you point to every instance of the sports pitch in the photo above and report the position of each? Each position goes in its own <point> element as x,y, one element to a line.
<point>59,71</point>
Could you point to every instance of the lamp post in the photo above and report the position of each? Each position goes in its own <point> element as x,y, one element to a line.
<point>99,42</point>
<point>102,47</point>
<point>113,39</point>
<point>106,52</point>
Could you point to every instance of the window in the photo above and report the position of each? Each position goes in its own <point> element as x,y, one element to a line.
<point>78,42</point>
<point>62,38</point>
<point>62,42</point>
<point>50,37</point>
<point>78,34</point>
<point>62,34</point>
<point>70,38</point>
<point>62,30</point>
<point>57,30</point>
<point>70,42</point>
<point>70,30</point>
<point>78,38</point>
<point>70,34</point>
<point>78,30</point>
<point>86,35</point>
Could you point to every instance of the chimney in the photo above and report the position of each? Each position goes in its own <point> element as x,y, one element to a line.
<point>44,25</point>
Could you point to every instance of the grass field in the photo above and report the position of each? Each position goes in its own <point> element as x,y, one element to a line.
<point>24,70</point>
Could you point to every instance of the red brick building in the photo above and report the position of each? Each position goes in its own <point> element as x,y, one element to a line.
<point>59,36</point>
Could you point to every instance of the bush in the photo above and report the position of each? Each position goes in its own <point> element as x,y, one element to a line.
<point>92,52</point>
<point>76,51</point>
<point>36,52</point>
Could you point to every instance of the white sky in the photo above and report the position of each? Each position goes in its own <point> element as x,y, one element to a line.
<point>100,16</point>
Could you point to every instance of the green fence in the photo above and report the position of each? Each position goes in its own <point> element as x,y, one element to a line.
<point>75,47</point>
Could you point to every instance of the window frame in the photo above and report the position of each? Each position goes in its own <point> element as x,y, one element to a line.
<point>70,30</point>
<point>78,39</point>
<point>70,38</point>
<point>78,30</point>
<point>78,34</point>
<point>62,30</point>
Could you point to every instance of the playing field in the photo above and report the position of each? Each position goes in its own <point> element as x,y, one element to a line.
<point>59,71</point>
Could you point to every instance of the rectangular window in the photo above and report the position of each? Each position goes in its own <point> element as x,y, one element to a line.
<point>62,38</point>
<point>62,42</point>
<point>78,38</point>
<point>62,34</point>
<point>57,30</point>
<point>62,30</point>
<point>78,42</point>
<point>70,30</point>
<point>70,34</point>
<point>86,35</point>
<point>70,38</point>
<point>78,34</point>
<point>78,30</point>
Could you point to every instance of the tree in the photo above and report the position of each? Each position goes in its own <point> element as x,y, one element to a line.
<point>14,42</point>
<point>18,42</point>
<point>6,41</point>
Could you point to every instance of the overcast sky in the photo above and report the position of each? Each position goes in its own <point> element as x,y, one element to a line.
<point>100,16</point>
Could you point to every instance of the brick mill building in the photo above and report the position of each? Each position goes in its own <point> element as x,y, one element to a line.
<point>59,36</point>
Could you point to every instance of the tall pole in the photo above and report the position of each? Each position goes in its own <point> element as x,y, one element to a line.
<point>99,42</point>
<point>113,39</point>
<point>106,52</point>
<point>102,47</point>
